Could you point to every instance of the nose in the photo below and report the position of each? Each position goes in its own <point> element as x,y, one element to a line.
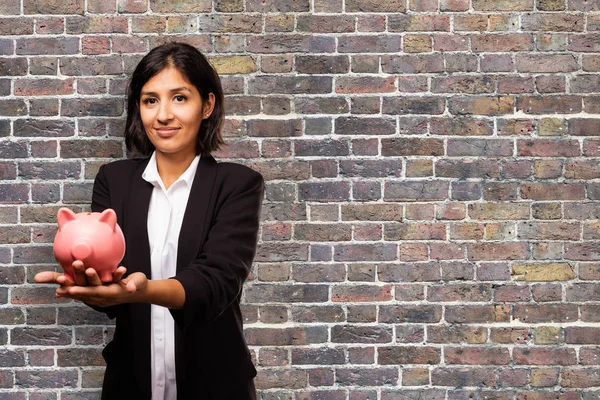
<point>164,112</point>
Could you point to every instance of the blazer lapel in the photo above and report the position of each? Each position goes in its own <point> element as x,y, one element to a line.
<point>138,260</point>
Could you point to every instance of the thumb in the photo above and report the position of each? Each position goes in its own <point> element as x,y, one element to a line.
<point>130,284</point>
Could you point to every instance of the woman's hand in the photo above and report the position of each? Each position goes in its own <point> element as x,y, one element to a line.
<point>128,290</point>
<point>88,288</point>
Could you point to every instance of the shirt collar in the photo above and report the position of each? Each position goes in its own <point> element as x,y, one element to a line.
<point>151,175</point>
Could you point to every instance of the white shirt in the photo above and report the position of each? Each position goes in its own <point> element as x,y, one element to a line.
<point>165,216</point>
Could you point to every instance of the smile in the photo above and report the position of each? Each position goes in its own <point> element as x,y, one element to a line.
<point>166,132</point>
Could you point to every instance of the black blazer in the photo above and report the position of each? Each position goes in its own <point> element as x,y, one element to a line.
<point>217,243</point>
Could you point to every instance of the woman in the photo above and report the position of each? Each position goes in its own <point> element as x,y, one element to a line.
<point>191,227</point>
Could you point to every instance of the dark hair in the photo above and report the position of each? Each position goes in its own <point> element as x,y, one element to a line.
<point>194,67</point>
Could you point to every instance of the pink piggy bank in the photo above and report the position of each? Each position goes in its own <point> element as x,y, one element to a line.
<point>92,237</point>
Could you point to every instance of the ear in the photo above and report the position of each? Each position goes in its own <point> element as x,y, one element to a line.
<point>208,106</point>
<point>64,215</point>
<point>109,217</point>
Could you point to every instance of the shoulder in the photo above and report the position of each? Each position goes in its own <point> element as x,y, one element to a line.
<point>237,172</point>
<point>233,179</point>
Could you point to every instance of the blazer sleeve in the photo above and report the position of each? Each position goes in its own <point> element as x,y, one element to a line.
<point>214,280</point>
<point>100,202</point>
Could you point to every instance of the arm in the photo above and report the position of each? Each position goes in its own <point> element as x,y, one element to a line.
<point>206,287</point>
<point>214,280</point>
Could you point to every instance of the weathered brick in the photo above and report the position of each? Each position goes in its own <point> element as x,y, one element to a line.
<point>364,126</point>
<point>369,44</point>
<point>53,7</point>
<point>550,84</point>
<point>463,376</point>
<point>92,107</point>
<point>479,147</point>
<point>463,292</point>
<point>467,169</point>
<point>543,272</point>
<point>357,85</point>
<point>553,191</point>
<point>361,334</point>
<point>498,251</point>
<point>418,22</point>
<point>502,42</point>
<point>462,126</point>
<point>476,356</point>
<point>553,22</point>
<point>290,85</point>
<point>491,106</point>
<point>272,43</point>
<point>45,46</point>
<point>417,272</point>
<point>413,105</point>
<point>393,6</point>
<point>365,252</point>
<point>415,191</point>
<point>412,64</point>
<point>503,5</point>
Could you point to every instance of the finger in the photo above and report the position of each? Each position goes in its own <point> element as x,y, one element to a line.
<point>118,274</point>
<point>92,277</point>
<point>46,277</point>
<point>79,273</point>
<point>64,280</point>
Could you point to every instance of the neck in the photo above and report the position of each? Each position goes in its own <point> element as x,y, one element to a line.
<point>172,166</point>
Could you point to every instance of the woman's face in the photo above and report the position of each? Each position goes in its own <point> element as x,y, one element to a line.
<point>172,111</point>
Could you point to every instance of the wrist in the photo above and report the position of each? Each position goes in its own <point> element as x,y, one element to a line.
<point>144,294</point>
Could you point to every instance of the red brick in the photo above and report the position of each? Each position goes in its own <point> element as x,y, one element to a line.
<point>480,377</point>
<point>548,148</point>
<point>549,104</point>
<point>53,7</point>
<point>556,22</point>
<point>552,191</point>
<point>476,356</point>
<point>498,251</point>
<point>361,293</point>
<point>503,5</point>
<point>463,84</point>
<point>371,23</point>
<point>460,292</point>
<point>492,106</point>
<point>354,85</point>
<point>393,6</point>
<point>418,22</point>
<point>517,84</point>
<point>369,44</point>
<point>412,64</point>
<point>502,42</point>
<point>545,356</point>
<point>584,42</point>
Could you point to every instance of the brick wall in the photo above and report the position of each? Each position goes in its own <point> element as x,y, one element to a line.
<point>431,225</point>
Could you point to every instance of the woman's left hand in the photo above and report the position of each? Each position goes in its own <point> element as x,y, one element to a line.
<point>127,290</point>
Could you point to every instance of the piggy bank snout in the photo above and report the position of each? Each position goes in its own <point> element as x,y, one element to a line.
<point>81,251</point>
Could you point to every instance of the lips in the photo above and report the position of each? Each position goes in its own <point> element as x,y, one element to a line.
<point>166,132</point>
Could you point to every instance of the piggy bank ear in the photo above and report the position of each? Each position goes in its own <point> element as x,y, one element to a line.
<point>64,215</point>
<point>109,217</point>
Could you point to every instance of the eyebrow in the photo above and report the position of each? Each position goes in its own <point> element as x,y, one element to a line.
<point>177,89</point>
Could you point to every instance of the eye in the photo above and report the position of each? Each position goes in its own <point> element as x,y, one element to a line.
<point>149,100</point>
<point>180,98</point>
